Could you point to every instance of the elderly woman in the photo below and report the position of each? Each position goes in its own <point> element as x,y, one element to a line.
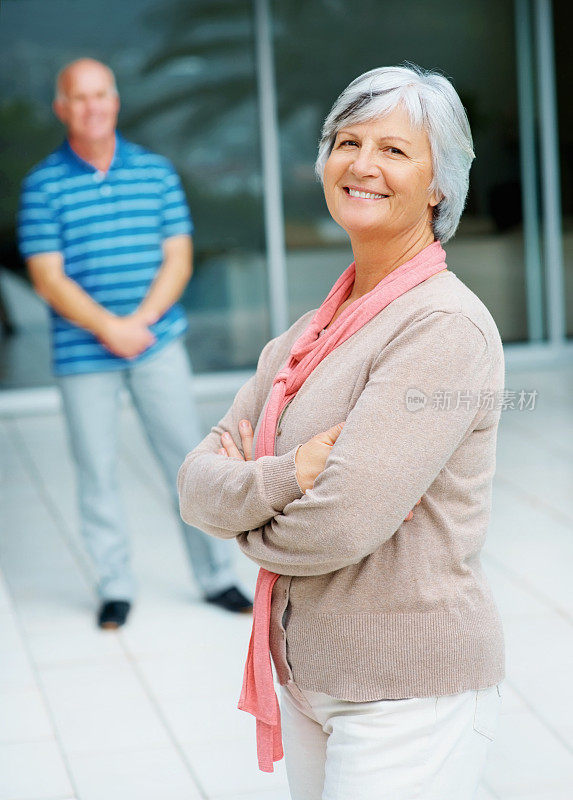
<point>384,634</point>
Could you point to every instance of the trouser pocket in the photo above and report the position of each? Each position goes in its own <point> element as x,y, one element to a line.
<point>486,713</point>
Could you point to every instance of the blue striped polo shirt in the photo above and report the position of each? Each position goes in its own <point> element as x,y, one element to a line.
<point>109,228</point>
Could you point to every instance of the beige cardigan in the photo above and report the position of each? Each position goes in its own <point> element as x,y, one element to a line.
<point>374,607</point>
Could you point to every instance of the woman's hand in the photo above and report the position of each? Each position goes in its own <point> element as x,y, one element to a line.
<point>229,448</point>
<point>310,458</point>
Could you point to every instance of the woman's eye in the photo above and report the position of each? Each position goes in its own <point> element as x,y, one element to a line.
<point>396,150</point>
<point>345,142</point>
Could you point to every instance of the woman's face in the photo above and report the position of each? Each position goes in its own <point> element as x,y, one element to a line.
<point>391,163</point>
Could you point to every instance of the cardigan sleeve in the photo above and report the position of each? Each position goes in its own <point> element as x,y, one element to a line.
<point>225,496</point>
<point>386,457</point>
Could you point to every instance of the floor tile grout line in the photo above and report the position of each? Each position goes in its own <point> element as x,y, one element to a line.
<point>524,584</point>
<point>132,462</point>
<point>60,524</point>
<point>255,794</point>
<point>532,710</point>
<point>549,392</point>
<point>37,479</point>
<point>524,430</point>
<point>532,500</point>
<point>132,660</point>
<point>490,790</point>
<point>41,689</point>
<point>52,797</point>
<point>28,740</point>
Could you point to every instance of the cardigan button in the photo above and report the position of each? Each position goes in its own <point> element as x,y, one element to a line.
<point>279,431</point>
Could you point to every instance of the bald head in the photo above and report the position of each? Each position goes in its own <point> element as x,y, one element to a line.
<point>87,103</point>
<point>67,76</point>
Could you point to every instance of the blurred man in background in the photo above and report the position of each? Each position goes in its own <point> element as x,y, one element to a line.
<point>106,233</point>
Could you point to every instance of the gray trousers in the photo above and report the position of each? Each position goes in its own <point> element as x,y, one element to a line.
<point>160,389</point>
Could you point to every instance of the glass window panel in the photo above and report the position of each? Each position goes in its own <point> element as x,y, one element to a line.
<point>562,23</point>
<point>471,42</point>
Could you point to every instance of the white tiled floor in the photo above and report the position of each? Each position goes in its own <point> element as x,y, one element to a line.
<point>150,713</point>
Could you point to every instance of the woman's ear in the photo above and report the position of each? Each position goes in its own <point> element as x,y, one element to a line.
<point>435,198</point>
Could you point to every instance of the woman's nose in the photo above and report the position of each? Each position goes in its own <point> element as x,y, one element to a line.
<point>364,163</point>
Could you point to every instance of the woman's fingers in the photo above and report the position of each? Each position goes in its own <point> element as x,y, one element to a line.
<point>246,433</point>
<point>411,513</point>
<point>311,457</point>
<point>230,447</point>
<point>331,435</point>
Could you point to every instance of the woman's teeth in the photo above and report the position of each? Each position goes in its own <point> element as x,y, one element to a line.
<point>366,195</point>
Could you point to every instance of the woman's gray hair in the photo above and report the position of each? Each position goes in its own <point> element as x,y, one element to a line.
<point>432,103</point>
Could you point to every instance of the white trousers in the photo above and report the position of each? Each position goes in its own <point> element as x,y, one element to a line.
<point>428,748</point>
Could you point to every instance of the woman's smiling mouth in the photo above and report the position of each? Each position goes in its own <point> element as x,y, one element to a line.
<point>362,194</point>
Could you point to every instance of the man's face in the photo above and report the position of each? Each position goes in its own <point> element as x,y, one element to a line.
<point>88,103</point>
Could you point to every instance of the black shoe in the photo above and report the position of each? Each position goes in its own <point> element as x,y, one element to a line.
<point>113,614</point>
<point>231,599</point>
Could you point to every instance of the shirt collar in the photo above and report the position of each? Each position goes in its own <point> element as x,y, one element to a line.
<point>120,155</point>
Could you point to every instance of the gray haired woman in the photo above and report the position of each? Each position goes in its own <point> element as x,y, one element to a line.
<point>383,631</point>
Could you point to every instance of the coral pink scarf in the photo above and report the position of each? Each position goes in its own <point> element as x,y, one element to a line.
<point>258,695</point>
